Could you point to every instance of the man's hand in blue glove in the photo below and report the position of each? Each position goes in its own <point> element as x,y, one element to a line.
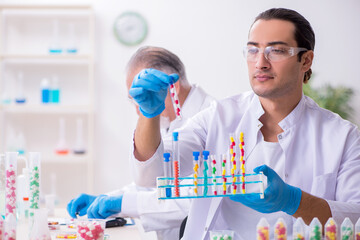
<point>105,206</point>
<point>80,205</point>
<point>279,196</point>
<point>149,90</point>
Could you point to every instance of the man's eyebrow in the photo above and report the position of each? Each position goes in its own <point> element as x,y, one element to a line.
<point>269,44</point>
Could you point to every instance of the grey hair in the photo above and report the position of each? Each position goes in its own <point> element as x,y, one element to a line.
<point>157,58</point>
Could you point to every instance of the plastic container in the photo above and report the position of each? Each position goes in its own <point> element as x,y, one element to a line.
<point>222,235</point>
<point>90,229</point>
<point>357,230</point>
<point>315,232</point>
<point>280,230</point>
<point>40,229</point>
<point>262,230</point>
<point>331,230</point>
<point>347,230</point>
<point>299,229</point>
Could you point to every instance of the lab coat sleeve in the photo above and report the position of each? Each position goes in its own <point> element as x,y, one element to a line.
<point>192,137</point>
<point>347,196</point>
<point>155,215</point>
<point>145,172</point>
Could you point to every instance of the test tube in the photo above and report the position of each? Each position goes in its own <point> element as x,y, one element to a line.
<point>196,172</point>
<point>205,171</point>
<point>223,173</point>
<point>315,229</point>
<point>242,161</point>
<point>299,229</point>
<point>168,173</point>
<point>176,162</point>
<point>34,182</point>
<point>280,232</point>
<point>175,101</point>
<point>262,230</point>
<point>357,230</point>
<point>10,194</point>
<point>347,229</point>
<point>213,174</point>
<point>331,229</point>
<point>233,162</point>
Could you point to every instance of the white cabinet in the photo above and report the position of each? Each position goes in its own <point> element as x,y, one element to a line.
<point>55,43</point>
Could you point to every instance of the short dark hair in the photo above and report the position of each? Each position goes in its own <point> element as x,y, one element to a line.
<point>304,34</point>
<point>158,58</point>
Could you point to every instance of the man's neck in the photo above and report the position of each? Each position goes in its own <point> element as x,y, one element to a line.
<point>275,111</point>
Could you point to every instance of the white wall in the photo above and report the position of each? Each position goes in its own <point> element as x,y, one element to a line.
<point>208,35</point>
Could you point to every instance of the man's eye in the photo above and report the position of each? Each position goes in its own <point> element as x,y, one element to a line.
<point>278,51</point>
<point>253,50</point>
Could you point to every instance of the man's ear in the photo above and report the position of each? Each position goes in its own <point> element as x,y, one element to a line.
<point>307,59</point>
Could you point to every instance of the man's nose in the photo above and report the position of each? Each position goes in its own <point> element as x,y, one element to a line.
<point>262,62</point>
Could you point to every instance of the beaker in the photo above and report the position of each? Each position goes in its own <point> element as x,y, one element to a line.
<point>40,229</point>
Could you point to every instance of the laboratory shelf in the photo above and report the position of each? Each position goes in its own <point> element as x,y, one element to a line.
<point>44,58</point>
<point>46,109</point>
<point>52,42</point>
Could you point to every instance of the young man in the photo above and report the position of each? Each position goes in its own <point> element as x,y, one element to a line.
<point>311,157</point>
<point>164,218</point>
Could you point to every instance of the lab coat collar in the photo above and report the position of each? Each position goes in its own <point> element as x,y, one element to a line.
<point>294,116</point>
<point>250,124</point>
<point>193,101</point>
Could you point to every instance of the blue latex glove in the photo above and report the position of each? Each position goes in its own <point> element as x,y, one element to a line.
<point>105,206</point>
<point>80,204</point>
<point>279,196</point>
<point>149,90</point>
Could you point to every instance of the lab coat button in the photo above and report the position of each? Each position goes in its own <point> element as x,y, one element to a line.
<point>206,228</point>
<point>280,136</point>
<point>259,125</point>
<point>286,175</point>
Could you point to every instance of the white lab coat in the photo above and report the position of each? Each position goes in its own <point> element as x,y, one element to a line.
<point>164,217</point>
<point>322,157</point>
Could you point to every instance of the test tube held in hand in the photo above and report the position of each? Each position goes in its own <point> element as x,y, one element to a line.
<point>175,100</point>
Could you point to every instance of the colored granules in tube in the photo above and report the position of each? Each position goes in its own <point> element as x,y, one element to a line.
<point>315,234</point>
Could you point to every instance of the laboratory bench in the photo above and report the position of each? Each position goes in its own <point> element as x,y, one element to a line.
<point>132,232</point>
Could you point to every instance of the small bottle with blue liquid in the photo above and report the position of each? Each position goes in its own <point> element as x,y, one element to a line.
<point>45,91</point>
<point>55,90</point>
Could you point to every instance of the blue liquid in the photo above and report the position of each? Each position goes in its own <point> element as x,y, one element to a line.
<point>45,95</point>
<point>55,50</point>
<point>168,192</point>
<point>20,100</point>
<point>55,95</point>
<point>72,50</point>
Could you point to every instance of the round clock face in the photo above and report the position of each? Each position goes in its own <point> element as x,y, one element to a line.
<point>130,28</point>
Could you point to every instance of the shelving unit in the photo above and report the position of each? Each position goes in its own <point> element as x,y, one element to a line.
<point>26,34</point>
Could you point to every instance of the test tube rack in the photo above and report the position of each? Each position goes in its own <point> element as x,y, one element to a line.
<point>162,185</point>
